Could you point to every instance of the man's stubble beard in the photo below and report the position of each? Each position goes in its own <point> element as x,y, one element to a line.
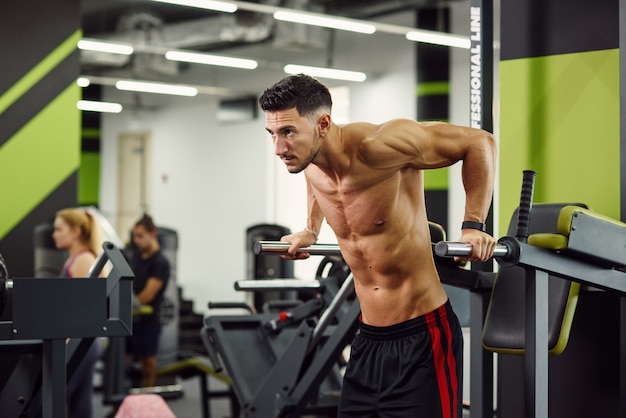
<point>312,156</point>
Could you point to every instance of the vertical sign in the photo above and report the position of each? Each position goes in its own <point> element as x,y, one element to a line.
<point>481,116</point>
<point>481,64</point>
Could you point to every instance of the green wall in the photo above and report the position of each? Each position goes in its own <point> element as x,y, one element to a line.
<point>39,121</point>
<point>560,117</point>
<point>559,103</point>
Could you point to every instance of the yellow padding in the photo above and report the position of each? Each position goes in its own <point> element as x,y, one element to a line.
<point>548,241</point>
<point>568,318</point>
<point>199,363</point>
<point>566,327</point>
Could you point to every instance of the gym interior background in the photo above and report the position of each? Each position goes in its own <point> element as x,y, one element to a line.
<point>556,110</point>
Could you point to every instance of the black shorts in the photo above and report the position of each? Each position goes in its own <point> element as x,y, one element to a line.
<point>145,340</point>
<point>412,369</point>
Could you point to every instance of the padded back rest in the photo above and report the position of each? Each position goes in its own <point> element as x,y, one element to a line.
<point>504,329</point>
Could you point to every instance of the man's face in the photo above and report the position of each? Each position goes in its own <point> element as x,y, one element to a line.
<point>142,238</point>
<point>296,138</point>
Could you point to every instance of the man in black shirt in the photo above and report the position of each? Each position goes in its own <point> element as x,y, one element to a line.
<point>152,272</point>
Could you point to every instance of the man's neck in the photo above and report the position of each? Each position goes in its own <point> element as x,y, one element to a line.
<point>150,251</point>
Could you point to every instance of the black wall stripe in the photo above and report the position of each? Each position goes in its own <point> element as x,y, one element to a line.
<point>557,27</point>
<point>17,246</point>
<point>433,107</point>
<point>30,30</point>
<point>38,97</point>
<point>437,207</point>
<point>433,65</point>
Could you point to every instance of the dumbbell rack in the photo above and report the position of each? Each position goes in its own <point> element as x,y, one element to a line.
<point>52,310</point>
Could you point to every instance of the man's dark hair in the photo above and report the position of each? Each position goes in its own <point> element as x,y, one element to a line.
<point>301,91</point>
<point>147,222</point>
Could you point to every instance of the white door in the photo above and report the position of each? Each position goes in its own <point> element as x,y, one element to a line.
<point>133,198</point>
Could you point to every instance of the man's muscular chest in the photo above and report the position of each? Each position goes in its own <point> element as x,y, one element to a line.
<point>357,205</point>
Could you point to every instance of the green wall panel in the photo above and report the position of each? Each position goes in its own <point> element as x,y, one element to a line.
<point>39,157</point>
<point>89,179</point>
<point>436,179</point>
<point>560,117</point>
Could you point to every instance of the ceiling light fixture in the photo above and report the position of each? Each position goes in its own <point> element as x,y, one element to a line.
<point>444,39</point>
<point>219,6</point>
<point>324,21</point>
<point>160,88</point>
<point>111,47</point>
<point>325,72</point>
<point>208,59</point>
<point>93,106</point>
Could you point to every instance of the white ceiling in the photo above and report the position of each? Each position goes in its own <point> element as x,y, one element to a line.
<point>243,34</point>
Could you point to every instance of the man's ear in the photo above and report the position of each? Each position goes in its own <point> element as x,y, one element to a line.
<point>324,124</point>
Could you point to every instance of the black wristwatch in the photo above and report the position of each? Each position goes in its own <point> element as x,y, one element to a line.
<point>474,225</point>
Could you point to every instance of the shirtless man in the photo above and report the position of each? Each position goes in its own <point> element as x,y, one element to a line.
<point>367,181</point>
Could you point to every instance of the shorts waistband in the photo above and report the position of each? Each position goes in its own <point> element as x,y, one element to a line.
<point>405,328</point>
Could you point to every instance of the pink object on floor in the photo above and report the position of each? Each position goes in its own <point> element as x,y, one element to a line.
<point>147,405</point>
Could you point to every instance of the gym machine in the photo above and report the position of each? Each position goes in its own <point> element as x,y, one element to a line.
<point>287,364</point>
<point>589,249</point>
<point>40,314</point>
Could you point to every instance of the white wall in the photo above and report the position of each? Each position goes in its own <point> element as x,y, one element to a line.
<point>215,189</point>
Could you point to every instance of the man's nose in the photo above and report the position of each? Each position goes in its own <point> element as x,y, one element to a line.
<point>280,147</point>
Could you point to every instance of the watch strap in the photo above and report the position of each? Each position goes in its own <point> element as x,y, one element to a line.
<point>474,225</point>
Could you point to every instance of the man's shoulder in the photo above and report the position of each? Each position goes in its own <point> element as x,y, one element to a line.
<point>161,258</point>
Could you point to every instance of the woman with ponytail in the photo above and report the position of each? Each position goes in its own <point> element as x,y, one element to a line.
<point>77,231</point>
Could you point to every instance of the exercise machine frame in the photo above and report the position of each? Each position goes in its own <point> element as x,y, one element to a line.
<point>539,264</point>
<point>51,310</point>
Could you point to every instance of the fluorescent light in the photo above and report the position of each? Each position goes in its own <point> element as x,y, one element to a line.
<point>444,39</point>
<point>91,106</point>
<point>219,6</point>
<point>83,81</point>
<point>211,59</point>
<point>161,88</point>
<point>325,72</point>
<point>99,46</point>
<point>327,22</point>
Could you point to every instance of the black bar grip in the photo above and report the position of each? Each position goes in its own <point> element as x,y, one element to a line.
<point>525,205</point>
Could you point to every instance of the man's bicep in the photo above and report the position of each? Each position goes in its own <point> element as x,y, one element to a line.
<point>445,144</point>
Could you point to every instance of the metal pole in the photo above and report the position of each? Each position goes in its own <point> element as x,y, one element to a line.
<point>622,124</point>
<point>536,352</point>
<point>276,247</point>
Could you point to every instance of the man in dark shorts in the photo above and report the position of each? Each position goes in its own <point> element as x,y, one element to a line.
<point>367,182</point>
<point>152,272</point>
